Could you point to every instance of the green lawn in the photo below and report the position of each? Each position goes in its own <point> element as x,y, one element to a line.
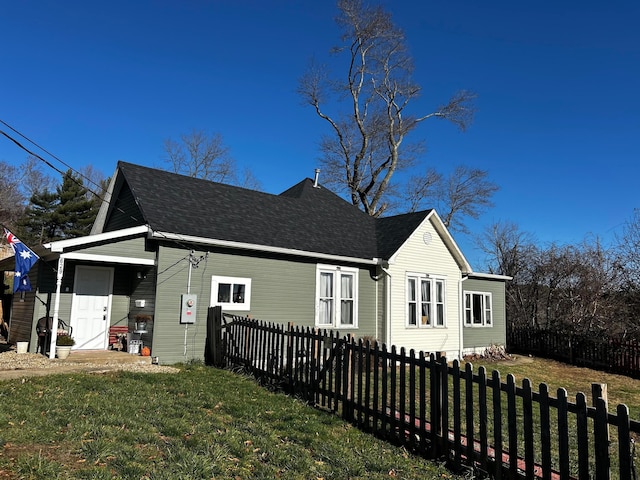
<point>573,379</point>
<point>201,423</point>
<point>556,375</point>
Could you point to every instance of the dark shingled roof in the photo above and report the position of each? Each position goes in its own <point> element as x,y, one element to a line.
<point>304,217</point>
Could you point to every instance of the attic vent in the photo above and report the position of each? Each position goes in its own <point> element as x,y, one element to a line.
<point>315,179</point>
<point>426,238</point>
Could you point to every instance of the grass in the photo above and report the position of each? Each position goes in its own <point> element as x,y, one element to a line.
<point>555,375</point>
<point>201,423</point>
<point>621,389</point>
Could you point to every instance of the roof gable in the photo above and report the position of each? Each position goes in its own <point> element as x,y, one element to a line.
<point>447,239</point>
<point>304,218</point>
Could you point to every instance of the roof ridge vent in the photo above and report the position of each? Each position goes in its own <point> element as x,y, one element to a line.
<point>315,178</point>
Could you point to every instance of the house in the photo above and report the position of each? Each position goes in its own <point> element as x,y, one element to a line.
<point>169,246</point>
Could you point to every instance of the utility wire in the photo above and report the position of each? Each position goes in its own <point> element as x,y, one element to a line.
<point>181,243</point>
<point>45,151</point>
<point>75,180</point>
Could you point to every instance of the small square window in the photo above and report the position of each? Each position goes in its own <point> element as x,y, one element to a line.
<point>231,293</point>
<point>477,309</point>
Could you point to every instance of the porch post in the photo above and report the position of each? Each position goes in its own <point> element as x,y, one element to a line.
<point>56,308</point>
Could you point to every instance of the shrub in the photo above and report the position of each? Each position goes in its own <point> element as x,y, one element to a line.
<point>65,341</point>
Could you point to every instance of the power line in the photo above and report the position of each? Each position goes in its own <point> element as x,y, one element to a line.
<point>46,151</point>
<point>73,178</point>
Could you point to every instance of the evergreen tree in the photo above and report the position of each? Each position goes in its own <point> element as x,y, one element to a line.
<point>37,225</point>
<point>76,211</point>
<point>68,212</point>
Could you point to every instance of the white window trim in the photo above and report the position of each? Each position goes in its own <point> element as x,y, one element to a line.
<point>470,324</point>
<point>434,280</point>
<point>231,306</point>
<point>336,270</point>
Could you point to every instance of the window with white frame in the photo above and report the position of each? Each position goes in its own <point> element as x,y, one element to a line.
<point>425,301</point>
<point>477,309</point>
<point>336,296</point>
<point>231,293</point>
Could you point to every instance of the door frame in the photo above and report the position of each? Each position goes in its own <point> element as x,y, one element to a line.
<point>74,302</point>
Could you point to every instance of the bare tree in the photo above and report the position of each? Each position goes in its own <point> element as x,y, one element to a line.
<point>12,200</point>
<point>628,247</point>
<point>93,180</point>
<point>200,155</point>
<point>364,150</point>
<point>17,184</point>
<point>464,193</point>
<point>420,188</point>
<point>33,178</point>
<point>506,247</point>
<point>511,252</point>
<point>568,288</point>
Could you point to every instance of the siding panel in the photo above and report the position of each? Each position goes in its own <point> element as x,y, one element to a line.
<point>476,339</point>
<point>133,247</point>
<point>282,291</point>
<point>436,260</point>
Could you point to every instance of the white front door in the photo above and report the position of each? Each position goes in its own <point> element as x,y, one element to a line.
<point>90,309</point>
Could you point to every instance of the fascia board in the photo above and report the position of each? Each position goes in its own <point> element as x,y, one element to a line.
<point>89,257</point>
<point>101,217</point>
<point>487,276</point>
<point>465,266</point>
<point>61,245</point>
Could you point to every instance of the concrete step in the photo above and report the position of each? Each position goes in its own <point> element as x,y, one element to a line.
<point>100,357</point>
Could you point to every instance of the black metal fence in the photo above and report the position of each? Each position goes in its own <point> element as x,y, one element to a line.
<point>434,408</point>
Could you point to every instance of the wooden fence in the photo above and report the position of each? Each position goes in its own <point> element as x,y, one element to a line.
<point>600,353</point>
<point>434,408</point>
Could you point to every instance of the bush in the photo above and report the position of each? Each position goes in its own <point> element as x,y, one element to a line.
<point>65,341</point>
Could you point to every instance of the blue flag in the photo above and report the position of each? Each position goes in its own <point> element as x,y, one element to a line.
<point>25,258</point>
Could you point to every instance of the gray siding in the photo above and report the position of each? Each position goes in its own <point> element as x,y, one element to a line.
<point>133,247</point>
<point>123,210</point>
<point>282,291</point>
<point>44,299</point>
<point>126,286</point>
<point>479,338</point>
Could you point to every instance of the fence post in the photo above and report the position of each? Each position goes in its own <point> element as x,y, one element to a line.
<point>214,348</point>
<point>601,429</point>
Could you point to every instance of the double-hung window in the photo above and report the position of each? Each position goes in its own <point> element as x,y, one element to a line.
<point>477,309</point>
<point>425,301</point>
<point>336,296</point>
<point>231,293</point>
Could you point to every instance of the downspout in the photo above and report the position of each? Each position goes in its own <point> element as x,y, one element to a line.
<point>387,310</point>
<point>56,308</point>
<point>461,317</point>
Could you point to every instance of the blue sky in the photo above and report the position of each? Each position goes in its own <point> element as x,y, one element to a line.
<point>557,126</point>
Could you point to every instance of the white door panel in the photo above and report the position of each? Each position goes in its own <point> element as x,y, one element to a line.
<point>91,307</point>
